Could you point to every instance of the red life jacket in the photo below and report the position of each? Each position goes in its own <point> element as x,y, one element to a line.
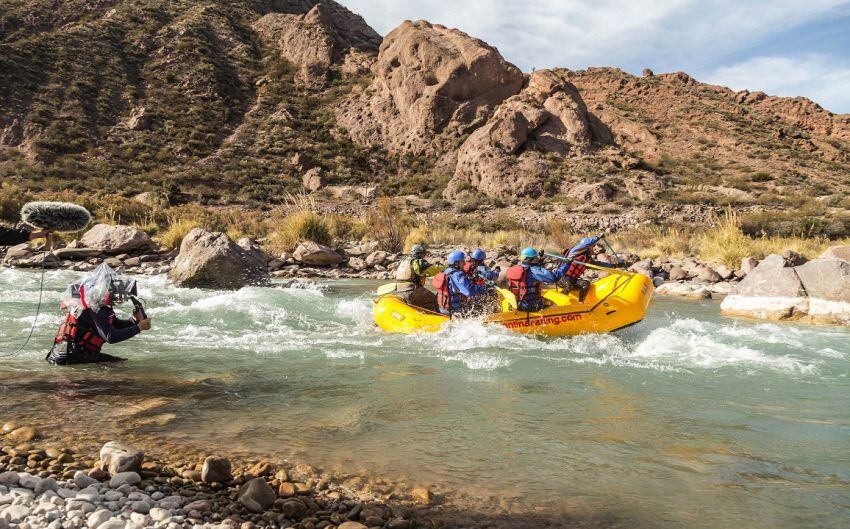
<point>441,283</point>
<point>517,277</point>
<point>447,299</point>
<point>576,267</point>
<point>78,336</point>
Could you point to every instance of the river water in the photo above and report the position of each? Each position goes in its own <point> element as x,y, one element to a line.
<point>687,419</point>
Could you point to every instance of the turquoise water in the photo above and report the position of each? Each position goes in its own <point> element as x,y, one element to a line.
<point>685,420</point>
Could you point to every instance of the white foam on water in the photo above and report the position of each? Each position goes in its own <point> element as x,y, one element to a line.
<point>691,343</point>
<point>829,352</point>
<point>357,310</point>
<point>473,343</point>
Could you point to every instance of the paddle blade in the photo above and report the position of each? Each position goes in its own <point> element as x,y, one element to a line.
<point>386,289</point>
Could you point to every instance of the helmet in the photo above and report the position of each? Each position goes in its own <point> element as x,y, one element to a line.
<point>478,255</point>
<point>528,253</point>
<point>456,256</point>
<point>583,246</point>
<point>417,249</point>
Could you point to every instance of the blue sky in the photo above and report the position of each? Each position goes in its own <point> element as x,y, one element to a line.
<point>782,47</point>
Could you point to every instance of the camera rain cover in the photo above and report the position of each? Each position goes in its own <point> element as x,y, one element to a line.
<point>103,286</point>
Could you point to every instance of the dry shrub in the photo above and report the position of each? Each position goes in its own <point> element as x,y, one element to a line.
<point>12,198</point>
<point>177,230</point>
<point>388,225</point>
<point>304,225</point>
<point>560,234</point>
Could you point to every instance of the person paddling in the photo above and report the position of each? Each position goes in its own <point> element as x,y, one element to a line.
<point>454,288</point>
<point>410,279</point>
<point>580,255</point>
<point>526,279</point>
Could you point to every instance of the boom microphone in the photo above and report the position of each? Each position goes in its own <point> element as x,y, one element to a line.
<point>55,216</point>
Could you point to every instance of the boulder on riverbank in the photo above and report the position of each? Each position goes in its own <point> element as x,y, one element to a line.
<point>817,291</point>
<point>213,260</point>
<point>116,239</point>
<point>315,254</point>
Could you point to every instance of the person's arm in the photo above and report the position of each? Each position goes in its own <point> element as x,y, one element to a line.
<point>120,323</point>
<point>466,287</point>
<point>12,236</point>
<point>107,329</point>
<point>547,276</point>
<point>488,274</point>
<point>421,267</point>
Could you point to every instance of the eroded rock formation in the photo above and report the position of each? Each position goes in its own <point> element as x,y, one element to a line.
<point>432,85</point>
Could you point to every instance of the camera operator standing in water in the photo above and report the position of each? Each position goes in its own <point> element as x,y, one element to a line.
<point>91,320</point>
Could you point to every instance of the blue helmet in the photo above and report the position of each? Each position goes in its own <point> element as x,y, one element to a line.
<point>478,255</point>
<point>456,256</point>
<point>528,253</point>
<point>583,245</point>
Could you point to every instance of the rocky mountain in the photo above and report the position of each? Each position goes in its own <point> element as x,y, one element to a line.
<point>247,100</point>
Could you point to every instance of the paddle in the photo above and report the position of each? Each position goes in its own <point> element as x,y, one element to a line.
<point>591,266</point>
<point>386,289</point>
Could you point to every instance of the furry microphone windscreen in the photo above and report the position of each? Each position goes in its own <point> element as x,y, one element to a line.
<point>55,216</point>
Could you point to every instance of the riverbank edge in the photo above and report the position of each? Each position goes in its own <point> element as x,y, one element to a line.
<point>296,495</point>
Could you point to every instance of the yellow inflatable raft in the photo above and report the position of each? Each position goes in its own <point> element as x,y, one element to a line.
<point>613,302</point>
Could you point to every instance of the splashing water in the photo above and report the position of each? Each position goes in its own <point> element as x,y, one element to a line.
<point>687,419</point>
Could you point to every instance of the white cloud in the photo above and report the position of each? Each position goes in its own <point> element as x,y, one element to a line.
<point>816,76</point>
<point>695,36</point>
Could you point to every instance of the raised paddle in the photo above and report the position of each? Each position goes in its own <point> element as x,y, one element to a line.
<point>591,266</point>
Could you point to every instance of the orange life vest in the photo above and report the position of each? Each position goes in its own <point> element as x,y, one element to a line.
<point>576,267</point>
<point>78,336</point>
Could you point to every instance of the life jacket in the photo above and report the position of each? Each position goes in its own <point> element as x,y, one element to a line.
<point>471,270</point>
<point>78,336</point>
<point>576,267</point>
<point>526,295</point>
<point>447,299</point>
<point>406,272</point>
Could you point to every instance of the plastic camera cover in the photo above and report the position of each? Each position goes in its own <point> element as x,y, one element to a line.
<point>103,286</point>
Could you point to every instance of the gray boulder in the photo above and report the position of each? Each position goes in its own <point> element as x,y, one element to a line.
<point>124,478</point>
<point>315,254</point>
<point>837,252</point>
<point>817,291</point>
<point>708,275</point>
<point>677,274</point>
<point>212,260</point>
<point>361,249</point>
<point>376,258</point>
<point>119,457</point>
<point>256,495</point>
<point>116,239</point>
<point>357,263</point>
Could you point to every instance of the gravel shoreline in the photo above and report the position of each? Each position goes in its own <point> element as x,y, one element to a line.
<point>121,488</point>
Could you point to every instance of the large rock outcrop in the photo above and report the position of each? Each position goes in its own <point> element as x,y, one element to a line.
<point>212,260</point>
<point>432,84</point>
<point>327,34</point>
<point>545,124</point>
<point>817,291</point>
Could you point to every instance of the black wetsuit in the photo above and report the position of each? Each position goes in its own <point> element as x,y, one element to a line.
<point>105,325</point>
<point>12,236</point>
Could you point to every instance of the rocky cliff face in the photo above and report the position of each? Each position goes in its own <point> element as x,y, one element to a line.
<point>238,101</point>
<point>432,85</point>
